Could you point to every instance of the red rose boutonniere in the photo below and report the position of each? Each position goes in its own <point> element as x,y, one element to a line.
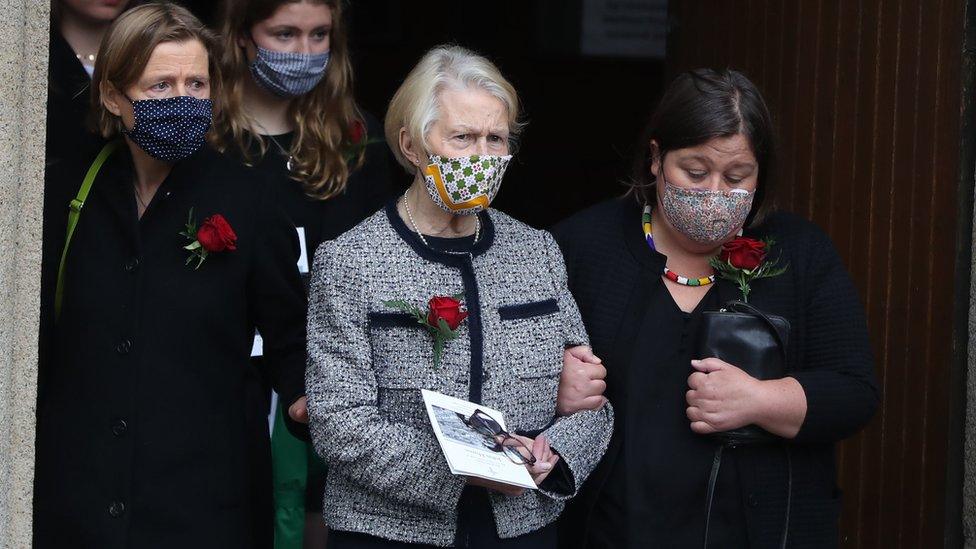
<point>442,319</point>
<point>356,142</point>
<point>214,235</point>
<point>743,260</point>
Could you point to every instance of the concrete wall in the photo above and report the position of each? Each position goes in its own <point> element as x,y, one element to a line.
<point>23,97</point>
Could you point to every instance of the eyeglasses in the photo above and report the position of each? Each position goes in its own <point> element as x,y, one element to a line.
<point>496,437</point>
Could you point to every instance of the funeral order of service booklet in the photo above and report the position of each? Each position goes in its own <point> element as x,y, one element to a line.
<point>467,451</point>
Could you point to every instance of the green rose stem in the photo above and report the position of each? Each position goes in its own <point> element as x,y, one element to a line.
<point>442,332</point>
<point>743,277</point>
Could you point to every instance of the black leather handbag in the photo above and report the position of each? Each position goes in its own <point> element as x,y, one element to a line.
<point>755,342</point>
<point>751,340</point>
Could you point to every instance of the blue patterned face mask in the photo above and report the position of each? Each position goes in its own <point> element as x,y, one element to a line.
<point>287,74</point>
<point>170,129</point>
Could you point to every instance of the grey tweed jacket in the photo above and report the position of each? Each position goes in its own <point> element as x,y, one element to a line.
<point>387,476</point>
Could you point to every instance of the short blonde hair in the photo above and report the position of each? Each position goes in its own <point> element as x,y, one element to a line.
<point>416,104</point>
<point>128,45</point>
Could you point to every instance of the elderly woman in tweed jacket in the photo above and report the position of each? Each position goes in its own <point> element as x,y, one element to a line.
<point>388,484</point>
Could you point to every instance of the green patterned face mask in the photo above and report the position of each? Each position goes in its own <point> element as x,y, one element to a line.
<point>465,185</point>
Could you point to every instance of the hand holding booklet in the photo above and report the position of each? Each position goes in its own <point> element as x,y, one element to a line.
<point>470,452</point>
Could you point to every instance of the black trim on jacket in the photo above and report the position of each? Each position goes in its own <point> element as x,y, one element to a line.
<point>471,297</point>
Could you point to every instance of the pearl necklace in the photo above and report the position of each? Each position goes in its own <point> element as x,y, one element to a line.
<point>406,206</point>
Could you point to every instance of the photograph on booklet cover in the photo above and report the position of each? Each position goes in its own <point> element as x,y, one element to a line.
<point>468,452</point>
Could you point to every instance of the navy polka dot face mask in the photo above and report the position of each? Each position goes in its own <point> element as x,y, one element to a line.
<point>170,129</point>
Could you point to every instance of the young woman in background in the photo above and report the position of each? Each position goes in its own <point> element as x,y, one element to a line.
<point>289,111</point>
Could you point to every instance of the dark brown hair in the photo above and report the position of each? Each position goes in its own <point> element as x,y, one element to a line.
<point>128,45</point>
<point>700,105</point>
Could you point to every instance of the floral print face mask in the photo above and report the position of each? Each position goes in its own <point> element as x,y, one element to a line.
<point>465,185</point>
<point>704,216</point>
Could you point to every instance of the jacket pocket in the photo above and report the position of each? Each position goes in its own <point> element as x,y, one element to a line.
<point>402,351</point>
<point>389,320</point>
<point>532,335</point>
<point>528,310</point>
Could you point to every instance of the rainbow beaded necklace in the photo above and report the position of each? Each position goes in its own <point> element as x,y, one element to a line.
<point>668,273</point>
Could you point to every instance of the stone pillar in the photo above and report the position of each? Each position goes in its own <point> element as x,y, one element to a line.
<point>23,98</point>
<point>969,475</point>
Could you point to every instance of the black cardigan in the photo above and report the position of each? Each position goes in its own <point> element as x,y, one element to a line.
<point>609,266</point>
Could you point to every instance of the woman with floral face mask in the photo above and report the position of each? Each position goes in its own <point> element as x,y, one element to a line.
<point>167,259</point>
<point>495,284</point>
<point>643,269</point>
<point>289,111</point>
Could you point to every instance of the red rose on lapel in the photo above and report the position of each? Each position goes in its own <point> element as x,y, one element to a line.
<point>446,308</point>
<point>356,131</point>
<point>744,253</point>
<point>216,234</point>
<point>441,319</point>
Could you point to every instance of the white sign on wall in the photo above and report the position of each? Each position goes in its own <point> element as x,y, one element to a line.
<point>624,28</point>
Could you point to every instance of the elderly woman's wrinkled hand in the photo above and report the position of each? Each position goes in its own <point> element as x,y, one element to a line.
<point>545,463</point>
<point>582,382</point>
<point>545,458</point>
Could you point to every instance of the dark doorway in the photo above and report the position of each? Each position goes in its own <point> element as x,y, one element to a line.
<point>583,111</point>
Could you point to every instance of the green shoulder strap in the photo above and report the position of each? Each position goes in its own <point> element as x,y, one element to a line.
<point>74,214</point>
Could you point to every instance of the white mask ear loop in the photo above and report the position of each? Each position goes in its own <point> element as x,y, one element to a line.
<point>739,191</point>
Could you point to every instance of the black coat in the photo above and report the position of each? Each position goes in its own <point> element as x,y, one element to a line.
<point>69,138</point>
<point>610,272</point>
<point>144,435</point>
<point>69,142</point>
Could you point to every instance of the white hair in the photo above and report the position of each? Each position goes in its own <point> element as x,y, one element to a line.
<point>416,104</point>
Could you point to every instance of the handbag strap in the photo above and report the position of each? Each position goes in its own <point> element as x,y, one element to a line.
<point>713,480</point>
<point>742,307</point>
<point>74,214</point>
<point>710,495</point>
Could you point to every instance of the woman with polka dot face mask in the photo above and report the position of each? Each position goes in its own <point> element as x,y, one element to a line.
<point>166,257</point>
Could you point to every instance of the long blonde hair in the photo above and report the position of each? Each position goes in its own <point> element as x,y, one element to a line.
<point>326,119</point>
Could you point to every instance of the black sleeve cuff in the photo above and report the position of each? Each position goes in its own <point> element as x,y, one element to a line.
<point>560,480</point>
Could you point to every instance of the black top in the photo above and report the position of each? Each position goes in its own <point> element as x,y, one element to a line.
<point>656,487</point>
<point>317,221</point>
<point>68,103</point>
<point>612,273</point>
<point>367,189</point>
<point>461,244</point>
<point>143,437</point>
